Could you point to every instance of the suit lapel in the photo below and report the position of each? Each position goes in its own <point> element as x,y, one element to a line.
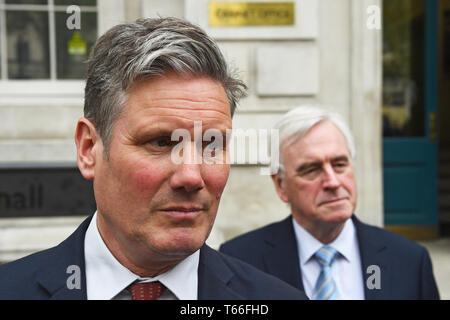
<point>214,277</point>
<point>281,253</point>
<point>373,253</point>
<point>65,268</point>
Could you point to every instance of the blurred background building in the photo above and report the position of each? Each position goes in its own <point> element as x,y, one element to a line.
<point>389,80</point>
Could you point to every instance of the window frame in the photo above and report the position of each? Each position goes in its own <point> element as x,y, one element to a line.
<point>53,90</point>
<point>51,9</point>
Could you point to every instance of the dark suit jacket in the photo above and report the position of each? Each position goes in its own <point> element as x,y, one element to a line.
<point>406,271</point>
<point>43,275</point>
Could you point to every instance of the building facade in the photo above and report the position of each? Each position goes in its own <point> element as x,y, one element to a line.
<point>328,53</point>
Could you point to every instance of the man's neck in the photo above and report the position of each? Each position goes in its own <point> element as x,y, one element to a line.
<point>143,262</point>
<point>325,232</point>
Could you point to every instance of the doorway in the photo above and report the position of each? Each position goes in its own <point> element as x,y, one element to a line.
<point>410,121</point>
<point>444,117</point>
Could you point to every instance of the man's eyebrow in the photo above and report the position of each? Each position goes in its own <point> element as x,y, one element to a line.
<point>156,131</point>
<point>307,165</point>
<point>150,133</point>
<point>340,158</point>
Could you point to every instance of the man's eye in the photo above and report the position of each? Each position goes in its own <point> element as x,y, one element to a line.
<point>340,166</point>
<point>312,170</point>
<point>161,142</point>
<point>309,172</point>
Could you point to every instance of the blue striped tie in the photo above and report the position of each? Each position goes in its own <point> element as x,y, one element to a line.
<point>325,288</point>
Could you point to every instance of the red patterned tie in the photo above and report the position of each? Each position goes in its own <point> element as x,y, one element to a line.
<point>146,290</point>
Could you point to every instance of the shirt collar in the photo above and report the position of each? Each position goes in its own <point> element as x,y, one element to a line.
<point>182,279</point>
<point>345,242</point>
<point>308,245</point>
<point>106,277</point>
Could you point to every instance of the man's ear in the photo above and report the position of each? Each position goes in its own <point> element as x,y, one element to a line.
<point>88,147</point>
<point>279,187</point>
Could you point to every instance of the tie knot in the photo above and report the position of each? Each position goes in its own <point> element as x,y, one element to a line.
<point>326,256</point>
<point>146,290</point>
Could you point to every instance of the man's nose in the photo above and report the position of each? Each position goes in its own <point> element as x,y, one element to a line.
<point>188,174</point>
<point>330,178</point>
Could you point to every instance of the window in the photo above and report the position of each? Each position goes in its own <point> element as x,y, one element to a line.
<point>403,68</point>
<point>37,40</point>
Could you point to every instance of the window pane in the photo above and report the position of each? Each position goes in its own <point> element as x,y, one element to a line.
<point>28,45</point>
<point>403,68</point>
<point>26,1</point>
<point>76,2</point>
<point>73,46</point>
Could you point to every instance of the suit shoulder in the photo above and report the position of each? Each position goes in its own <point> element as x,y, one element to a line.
<point>395,241</point>
<point>25,264</point>
<point>259,285</point>
<point>249,240</point>
<point>19,277</point>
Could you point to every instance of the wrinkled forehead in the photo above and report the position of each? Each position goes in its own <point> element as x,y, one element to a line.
<point>172,102</point>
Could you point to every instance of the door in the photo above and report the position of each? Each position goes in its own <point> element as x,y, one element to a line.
<point>410,91</point>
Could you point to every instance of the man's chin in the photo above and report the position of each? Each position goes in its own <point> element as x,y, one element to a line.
<point>340,217</point>
<point>180,248</point>
<point>337,216</point>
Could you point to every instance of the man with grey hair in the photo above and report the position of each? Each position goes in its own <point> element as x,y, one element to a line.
<point>147,238</point>
<point>322,248</point>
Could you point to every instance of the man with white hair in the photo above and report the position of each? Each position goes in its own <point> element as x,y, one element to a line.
<point>322,248</point>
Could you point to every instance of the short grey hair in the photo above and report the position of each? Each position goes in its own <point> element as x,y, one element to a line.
<point>297,122</point>
<point>144,49</point>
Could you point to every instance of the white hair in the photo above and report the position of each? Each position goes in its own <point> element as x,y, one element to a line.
<point>297,122</point>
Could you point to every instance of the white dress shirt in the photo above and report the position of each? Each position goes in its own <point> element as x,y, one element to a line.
<point>346,269</point>
<point>107,278</point>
